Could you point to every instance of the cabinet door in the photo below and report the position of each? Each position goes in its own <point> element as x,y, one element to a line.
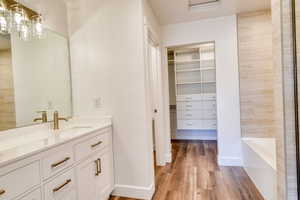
<point>104,181</point>
<point>35,195</point>
<point>86,179</point>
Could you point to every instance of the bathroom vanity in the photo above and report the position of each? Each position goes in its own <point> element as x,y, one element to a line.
<point>73,163</point>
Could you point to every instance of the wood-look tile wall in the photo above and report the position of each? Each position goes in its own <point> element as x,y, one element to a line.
<point>284,99</point>
<point>7,105</point>
<point>256,74</point>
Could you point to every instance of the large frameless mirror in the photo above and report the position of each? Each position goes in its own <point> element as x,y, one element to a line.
<point>34,77</point>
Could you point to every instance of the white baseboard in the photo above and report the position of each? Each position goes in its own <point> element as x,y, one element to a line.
<point>168,157</point>
<point>177,137</point>
<point>134,192</point>
<point>230,161</point>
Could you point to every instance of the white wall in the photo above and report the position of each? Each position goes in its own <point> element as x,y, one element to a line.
<point>224,32</point>
<point>107,58</point>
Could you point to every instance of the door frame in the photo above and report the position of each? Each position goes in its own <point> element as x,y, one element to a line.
<point>162,143</point>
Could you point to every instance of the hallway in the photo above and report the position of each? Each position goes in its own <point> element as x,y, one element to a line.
<point>195,175</point>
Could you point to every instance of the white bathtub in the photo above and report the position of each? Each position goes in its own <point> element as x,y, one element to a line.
<point>259,157</point>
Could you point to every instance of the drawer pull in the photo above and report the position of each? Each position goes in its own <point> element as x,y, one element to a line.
<point>98,167</point>
<point>62,186</point>
<point>60,162</point>
<point>2,192</point>
<point>94,145</point>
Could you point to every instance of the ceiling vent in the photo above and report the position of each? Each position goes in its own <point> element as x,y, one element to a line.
<point>203,3</point>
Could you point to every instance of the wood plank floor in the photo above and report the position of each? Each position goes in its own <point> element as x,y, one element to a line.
<point>195,175</point>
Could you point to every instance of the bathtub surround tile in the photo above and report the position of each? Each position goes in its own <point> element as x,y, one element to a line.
<point>256,74</point>
<point>7,101</point>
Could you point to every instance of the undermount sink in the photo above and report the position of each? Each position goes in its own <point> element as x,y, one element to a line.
<point>22,140</point>
<point>72,129</point>
<point>80,127</point>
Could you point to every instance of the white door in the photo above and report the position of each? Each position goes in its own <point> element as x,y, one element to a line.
<point>156,100</point>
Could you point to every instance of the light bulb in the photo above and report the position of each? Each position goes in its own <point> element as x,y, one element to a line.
<point>18,20</point>
<point>3,24</point>
<point>24,33</point>
<point>4,18</point>
<point>38,29</point>
<point>18,16</point>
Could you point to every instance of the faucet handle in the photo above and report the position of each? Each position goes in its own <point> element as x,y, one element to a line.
<point>44,118</point>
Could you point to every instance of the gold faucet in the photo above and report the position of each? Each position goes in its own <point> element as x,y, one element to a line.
<point>44,117</point>
<point>56,120</point>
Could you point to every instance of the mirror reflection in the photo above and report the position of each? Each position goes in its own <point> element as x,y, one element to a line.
<point>34,77</point>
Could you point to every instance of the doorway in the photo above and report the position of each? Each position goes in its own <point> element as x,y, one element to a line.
<point>192,90</point>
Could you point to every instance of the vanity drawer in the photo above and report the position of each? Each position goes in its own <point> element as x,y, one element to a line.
<point>61,188</point>
<point>89,146</point>
<point>19,181</point>
<point>56,160</point>
<point>35,195</point>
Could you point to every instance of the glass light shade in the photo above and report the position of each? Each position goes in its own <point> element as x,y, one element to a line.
<point>15,19</point>
<point>17,16</point>
<point>4,18</point>
<point>24,34</point>
<point>37,27</point>
<point>25,31</point>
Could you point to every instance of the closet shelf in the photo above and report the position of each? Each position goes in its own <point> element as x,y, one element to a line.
<point>198,69</point>
<point>187,61</point>
<point>188,70</point>
<point>196,82</point>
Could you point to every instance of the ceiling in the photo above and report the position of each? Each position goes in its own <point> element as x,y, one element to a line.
<point>177,11</point>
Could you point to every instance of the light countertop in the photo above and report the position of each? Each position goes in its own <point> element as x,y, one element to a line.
<point>20,143</point>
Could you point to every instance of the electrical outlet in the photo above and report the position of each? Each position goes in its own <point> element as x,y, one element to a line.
<point>50,105</point>
<point>98,102</point>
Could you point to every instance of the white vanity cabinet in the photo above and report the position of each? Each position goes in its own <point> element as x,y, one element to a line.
<point>94,176</point>
<point>95,172</point>
<point>77,169</point>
